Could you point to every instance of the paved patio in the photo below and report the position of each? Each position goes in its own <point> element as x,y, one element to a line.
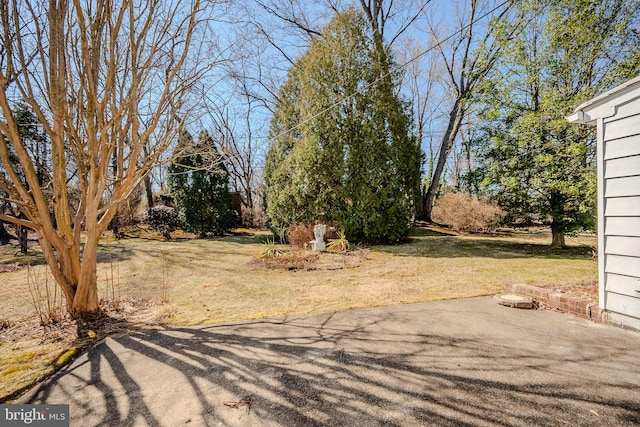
<point>460,362</point>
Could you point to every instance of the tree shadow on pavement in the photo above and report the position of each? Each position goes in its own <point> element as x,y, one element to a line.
<point>368,367</point>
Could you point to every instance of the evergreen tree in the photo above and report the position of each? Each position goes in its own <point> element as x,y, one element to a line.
<point>538,164</point>
<point>199,182</point>
<point>36,143</point>
<point>342,147</point>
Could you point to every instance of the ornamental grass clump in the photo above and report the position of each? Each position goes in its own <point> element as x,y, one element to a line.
<point>270,249</point>
<point>341,244</point>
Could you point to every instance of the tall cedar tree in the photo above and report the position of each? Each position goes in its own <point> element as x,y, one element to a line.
<point>539,165</point>
<point>199,182</point>
<point>342,147</point>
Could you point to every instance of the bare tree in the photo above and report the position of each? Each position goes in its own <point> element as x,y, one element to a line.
<point>305,20</point>
<point>468,57</point>
<point>422,80</point>
<point>233,130</point>
<point>286,27</point>
<point>403,14</point>
<point>105,79</point>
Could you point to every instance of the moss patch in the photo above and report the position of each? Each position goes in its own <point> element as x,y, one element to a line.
<point>66,357</point>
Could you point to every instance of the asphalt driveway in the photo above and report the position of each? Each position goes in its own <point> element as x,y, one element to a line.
<point>460,362</point>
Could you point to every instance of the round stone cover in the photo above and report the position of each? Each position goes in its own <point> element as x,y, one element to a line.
<point>514,300</point>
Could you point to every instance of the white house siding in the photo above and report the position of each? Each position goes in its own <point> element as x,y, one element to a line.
<point>617,115</point>
<point>628,207</point>
<point>621,173</point>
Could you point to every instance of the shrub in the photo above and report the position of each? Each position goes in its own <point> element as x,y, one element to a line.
<point>464,212</point>
<point>128,210</point>
<point>163,219</point>
<point>254,217</point>
<point>199,183</point>
<point>300,234</point>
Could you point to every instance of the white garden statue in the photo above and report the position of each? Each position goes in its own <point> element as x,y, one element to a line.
<point>318,243</point>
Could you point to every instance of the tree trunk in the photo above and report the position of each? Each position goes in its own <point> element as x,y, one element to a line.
<point>147,191</point>
<point>86,296</point>
<point>147,182</point>
<point>557,217</point>
<point>455,121</point>
<point>557,240</point>
<point>85,283</point>
<point>23,238</point>
<point>4,235</point>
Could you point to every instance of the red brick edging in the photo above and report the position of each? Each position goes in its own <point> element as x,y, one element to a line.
<point>580,307</point>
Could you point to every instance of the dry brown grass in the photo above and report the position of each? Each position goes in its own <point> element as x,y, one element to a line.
<point>208,281</point>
